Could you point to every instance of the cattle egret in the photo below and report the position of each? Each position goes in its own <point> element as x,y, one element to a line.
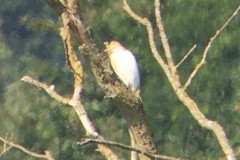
<point>124,64</point>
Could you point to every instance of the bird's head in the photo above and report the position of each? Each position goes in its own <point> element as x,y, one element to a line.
<point>113,46</point>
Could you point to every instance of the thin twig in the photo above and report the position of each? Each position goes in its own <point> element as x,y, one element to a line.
<point>162,34</point>
<point>203,60</point>
<point>49,89</point>
<point>185,57</point>
<point>148,25</point>
<point>47,154</point>
<point>126,147</point>
<point>5,150</point>
<point>6,147</point>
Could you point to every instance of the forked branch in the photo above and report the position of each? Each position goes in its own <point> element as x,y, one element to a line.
<point>47,154</point>
<point>173,76</point>
<point>78,108</point>
<point>205,52</point>
<point>6,147</point>
<point>71,22</point>
<point>148,25</point>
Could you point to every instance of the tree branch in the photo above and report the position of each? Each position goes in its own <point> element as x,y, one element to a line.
<point>134,155</point>
<point>173,77</point>
<point>6,148</point>
<point>185,57</point>
<point>162,34</point>
<point>203,60</point>
<point>48,89</point>
<point>47,154</point>
<point>148,25</point>
<point>78,108</point>
<point>126,147</point>
<point>72,22</point>
<point>130,105</point>
<point>171,72</point>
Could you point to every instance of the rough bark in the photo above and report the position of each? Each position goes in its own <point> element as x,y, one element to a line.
<point>129,104</point>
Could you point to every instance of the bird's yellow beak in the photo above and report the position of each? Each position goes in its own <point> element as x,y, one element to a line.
<point>107,47</point>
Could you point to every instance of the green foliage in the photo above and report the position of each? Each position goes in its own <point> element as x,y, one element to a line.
<point>30,45</point>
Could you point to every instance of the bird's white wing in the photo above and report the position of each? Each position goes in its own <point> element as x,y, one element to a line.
<point>125,66</point>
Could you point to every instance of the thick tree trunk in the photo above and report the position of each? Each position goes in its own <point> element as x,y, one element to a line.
<point>130,105</point>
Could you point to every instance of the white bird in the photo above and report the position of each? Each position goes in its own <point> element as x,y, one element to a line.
<point>124,64</point>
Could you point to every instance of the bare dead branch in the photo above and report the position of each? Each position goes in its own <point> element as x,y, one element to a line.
<point>76,66</point>
<point>78,108</point>
<point>49,89</point>
<point>134,155</point>
<point>126,147</point>
<point>203,60</point>
<point>102,71</point>
<point>6,147</point>
<point>133,108</point>
<point>71,18</point>
<point>73,22</point>
<point>141,20</point>
<point>173,77</point>
<point>162,33</point>
<point>170,72</point>
<point>206,123</point>
<point>144,21</point>
<point>71,57</point>
<point>148,25</point>
<point>47,154</point>
<point>73,61</point>
<point>185,57</point>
